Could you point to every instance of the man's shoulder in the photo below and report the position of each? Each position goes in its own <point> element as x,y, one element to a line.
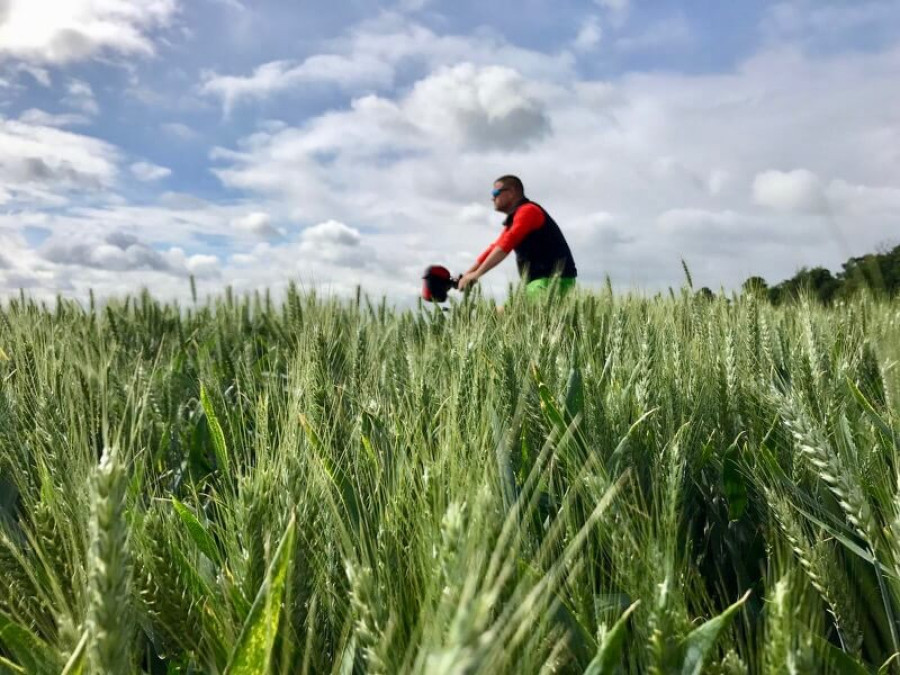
<point>529,210</point>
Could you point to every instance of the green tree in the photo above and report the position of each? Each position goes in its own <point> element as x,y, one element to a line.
<point>705,294</point>
<point>817,281</point>
<point>755,286</point>
<point>879,272</point>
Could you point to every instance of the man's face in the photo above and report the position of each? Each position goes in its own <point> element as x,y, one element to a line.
<point>503,197</point>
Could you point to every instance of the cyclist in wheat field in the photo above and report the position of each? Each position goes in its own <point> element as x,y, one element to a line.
<point>542,252</point>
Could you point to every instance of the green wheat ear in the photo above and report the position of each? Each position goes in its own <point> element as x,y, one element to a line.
<point>109,619</point>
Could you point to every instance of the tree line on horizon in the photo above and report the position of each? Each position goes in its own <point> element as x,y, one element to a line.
<point>878,273</point>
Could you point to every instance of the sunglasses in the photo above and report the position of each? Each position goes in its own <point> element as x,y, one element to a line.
<point>496,192</point>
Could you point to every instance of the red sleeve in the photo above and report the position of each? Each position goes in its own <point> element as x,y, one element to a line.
<point>528,218</point>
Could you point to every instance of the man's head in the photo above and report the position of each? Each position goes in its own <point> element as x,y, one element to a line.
<point>508,191</point>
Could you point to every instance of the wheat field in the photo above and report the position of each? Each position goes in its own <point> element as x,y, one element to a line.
<point>598,483</point>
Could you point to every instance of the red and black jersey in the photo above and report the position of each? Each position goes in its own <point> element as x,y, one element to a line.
<point>541,249</point>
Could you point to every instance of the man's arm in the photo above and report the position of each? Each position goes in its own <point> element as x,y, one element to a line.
<point>472,268</point>
<point>480,259</point>
<point>527,219</point>
<point>494,258</point>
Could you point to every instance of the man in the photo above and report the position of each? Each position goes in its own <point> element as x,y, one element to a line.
<point>541,250</point>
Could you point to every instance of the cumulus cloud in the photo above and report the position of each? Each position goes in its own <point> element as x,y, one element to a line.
<point>257,223</point>
<point>332,233</point>
<point>459,109</point>
<point>147,172</point>
<point>793,191</point>
<point>369,56</point>
<point>201,265</point>
<point>40,163</point>
<point>125,252</point>
<point>119,252</point>
<point>47,31</point>
<point>335,242</point>
<point>331,256</point>
<point>486,107</point>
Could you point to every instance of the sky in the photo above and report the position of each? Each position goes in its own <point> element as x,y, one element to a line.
<point>349,143</point>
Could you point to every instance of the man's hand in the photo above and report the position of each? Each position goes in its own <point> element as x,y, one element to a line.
<point>466,280</point>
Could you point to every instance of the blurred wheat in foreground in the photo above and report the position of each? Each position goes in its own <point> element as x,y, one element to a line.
<point>590,484</point>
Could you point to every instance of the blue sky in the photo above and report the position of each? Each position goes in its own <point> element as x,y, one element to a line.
<point>336,144</point>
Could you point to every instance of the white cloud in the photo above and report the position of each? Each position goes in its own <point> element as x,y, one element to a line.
<point>486,107</point>
<point>147,172</point>
<point>330,255</point>
<point>453,110</point>
<point>589,35</point>
<point>793,191</point>
<point>257,223</point>
<point>113,259</point>
<point>40,163</point>
<point>80,95</point>
<point>200,265</point>
<point>41,118</point>
<point>367,59</point>
<point>278,76</point>
<point>38,74</point>
<point>48,31</point>
<point>114,249</point>
<point>335,242</point>
<point>203,266</point>
<point>476,214</point>
<point>332,233</point>
<point>119,251</point>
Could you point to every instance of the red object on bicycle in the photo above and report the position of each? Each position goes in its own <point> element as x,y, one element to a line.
<point>437,281</point>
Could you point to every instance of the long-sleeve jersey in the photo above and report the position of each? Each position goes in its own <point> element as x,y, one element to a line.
<point>527,218</point>
<point>541,250</point>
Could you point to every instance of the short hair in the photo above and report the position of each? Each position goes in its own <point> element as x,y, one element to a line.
<point>512,182</point>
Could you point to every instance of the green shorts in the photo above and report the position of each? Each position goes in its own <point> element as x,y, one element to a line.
<point>538,287</point>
